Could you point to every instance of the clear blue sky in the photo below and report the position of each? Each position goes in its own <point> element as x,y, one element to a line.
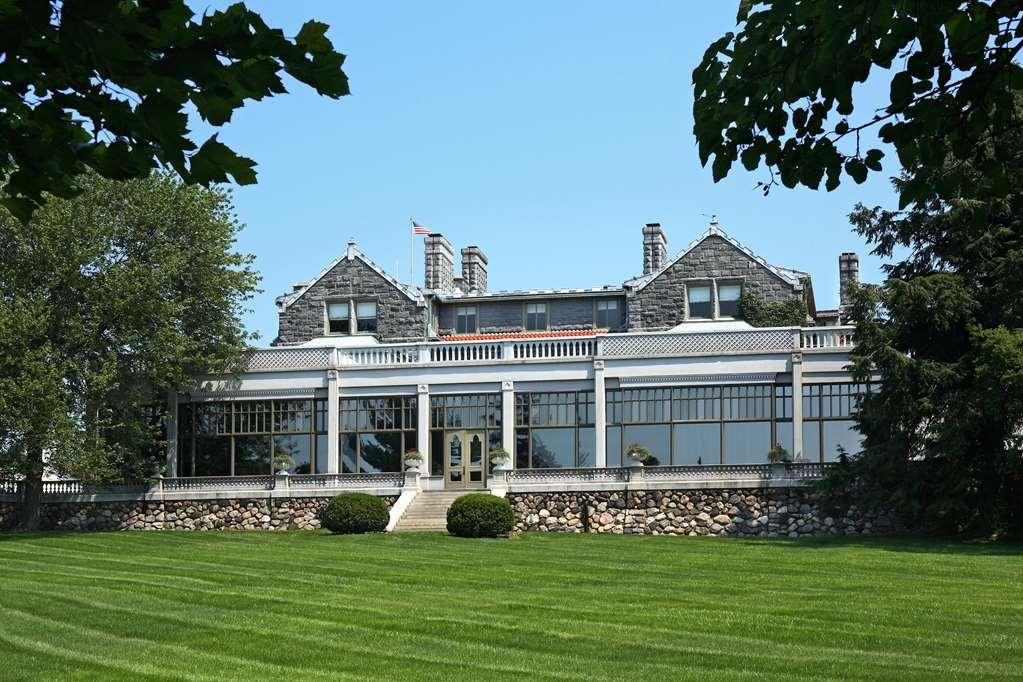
<point>546,133</point>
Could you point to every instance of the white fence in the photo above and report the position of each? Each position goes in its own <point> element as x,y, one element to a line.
<point>552,349</point>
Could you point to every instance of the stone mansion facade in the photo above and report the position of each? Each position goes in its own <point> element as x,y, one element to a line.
<point>366,368</point>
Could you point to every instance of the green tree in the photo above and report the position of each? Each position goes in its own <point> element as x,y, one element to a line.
<point>108,301</point>
<point>106,85</point>
<point>779,90</point>
<point>942,427</point>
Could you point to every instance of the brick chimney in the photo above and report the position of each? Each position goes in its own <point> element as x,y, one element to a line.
<point>474,269</point>
<point>848,273</point>
<point>440,263</point>
<point>655,248</point>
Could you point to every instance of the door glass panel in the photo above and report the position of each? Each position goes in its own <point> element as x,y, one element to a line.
<point>476,452</point>
<point>476,476</point>
<point>455,459</point>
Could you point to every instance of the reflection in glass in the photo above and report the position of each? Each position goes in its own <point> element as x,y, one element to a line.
<point>379,452</point>
<point>841,433</point>
<point>212,456</point>
<point>293,453</point>
<point>251,455</point>
<point>614,446</point>
<point>553,448</point>
<point>812,441</point>
<point>521,448</point>
<point>348,453</point>
<point>783,436</point>
<point>697,444</point>
<point>476,451</point>
<point>655,437</point>
<point>587,447</point>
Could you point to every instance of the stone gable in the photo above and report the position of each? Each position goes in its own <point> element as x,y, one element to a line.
<point>399,318</point>
<point>661,303</point>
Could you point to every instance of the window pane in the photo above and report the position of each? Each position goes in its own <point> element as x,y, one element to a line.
<point>553,448</point>
<point>321,454</point>
<point>783,436</point>
<point>436,453</point>
<point>379,452</point>
<point>337,311</point>
<point>699,302</point>
<point>613,444</point>
<point>293,453</point>
<point>521,448</point>
<point>747,442</point>
<point>347,448</point>
<point>212,456</point>
<point>587,447</point>
<point>366,309</point>
<point>728,300</point>
<point>697,444</point>
<point>342,326</point>
<point>841,433</point>
<point>252,455</point>
<point>655,437</point>
<point>811,441</point>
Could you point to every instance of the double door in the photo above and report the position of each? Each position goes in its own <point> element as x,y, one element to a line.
<point>465,459</point>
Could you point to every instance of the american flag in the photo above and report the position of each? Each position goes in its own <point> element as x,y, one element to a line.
<point>418,229</point>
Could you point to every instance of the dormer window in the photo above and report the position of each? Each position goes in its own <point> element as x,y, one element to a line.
<point>700,306</point>
<point>728,300</point>
<point>338,318</point>
<point>608,314</point>
<point>465,319</point>
<point>366,316</point>
<point>536,317</point>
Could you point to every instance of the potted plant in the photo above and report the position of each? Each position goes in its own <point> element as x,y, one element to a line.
<point>639,454</point>
<point>283,463</point>
<point>779,458</point>
<point>500,458</point>
<point>413,459</point>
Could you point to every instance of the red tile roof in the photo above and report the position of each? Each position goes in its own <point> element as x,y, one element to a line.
<point>497,336</point>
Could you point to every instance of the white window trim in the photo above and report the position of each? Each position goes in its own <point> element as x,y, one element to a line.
<point>475,315</point>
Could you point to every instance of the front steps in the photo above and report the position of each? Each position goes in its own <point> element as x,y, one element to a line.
<point>429,511</point>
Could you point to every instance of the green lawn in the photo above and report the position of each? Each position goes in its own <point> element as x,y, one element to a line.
<point>310,605</point>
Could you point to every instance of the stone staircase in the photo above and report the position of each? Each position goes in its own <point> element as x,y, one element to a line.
<point>429,511</point>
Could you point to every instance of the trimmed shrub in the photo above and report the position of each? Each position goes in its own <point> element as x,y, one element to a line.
<point>356,513</point>
<point>480,515</point>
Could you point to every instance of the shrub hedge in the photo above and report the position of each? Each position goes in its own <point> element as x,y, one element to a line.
<point>480,515</point>
<point>356,513</point>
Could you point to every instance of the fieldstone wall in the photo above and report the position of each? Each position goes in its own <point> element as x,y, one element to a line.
<point>661,304</point>
<point>7,515</point>
<point>296,513</point>
<point>399,318</point>
<point>769,512</point>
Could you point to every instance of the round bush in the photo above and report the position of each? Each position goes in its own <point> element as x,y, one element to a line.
<point>356,513</point>
<point>480,515</point>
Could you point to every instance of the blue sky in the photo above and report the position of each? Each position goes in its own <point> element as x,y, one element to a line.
<point>546,133</point>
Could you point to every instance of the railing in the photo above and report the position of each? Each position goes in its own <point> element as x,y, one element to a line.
<point>666,475</point>
<point>80,488</point>
<point>610,475</point>
<point>826,338</point>
<point>347,481</point>
<point>10,487</point>
<point>629,345</point>
<point>217,483</point>
<point>709,471</point>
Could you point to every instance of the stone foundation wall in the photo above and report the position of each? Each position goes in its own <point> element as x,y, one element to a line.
<point>770,512</point>
<point>296,513</point>
<point>7,515</point>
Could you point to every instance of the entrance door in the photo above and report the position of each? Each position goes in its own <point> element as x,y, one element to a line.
<point>463,459</point>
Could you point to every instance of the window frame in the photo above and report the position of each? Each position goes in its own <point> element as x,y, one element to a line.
<point>537,411</point>
<point>546,316</point>
<point>618,313</point>
<point>362,415</point>
<point>717,306</point>
<point>376,316</point>
<point>700,284</point>
<point>475,314</point>
<point>347,303</point>
<point>827,391</point>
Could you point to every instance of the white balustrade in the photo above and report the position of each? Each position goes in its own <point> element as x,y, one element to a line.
<point>826,338</point>
<point>555,348</point>
<point>457,353</point>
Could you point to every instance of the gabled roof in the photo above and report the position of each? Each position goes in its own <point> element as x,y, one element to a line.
<point>351,253</point>
<point>787,275</point>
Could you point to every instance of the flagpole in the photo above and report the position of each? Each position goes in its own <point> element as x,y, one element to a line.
<point>411,254</point>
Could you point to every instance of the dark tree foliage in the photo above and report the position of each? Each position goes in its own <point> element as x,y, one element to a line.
<point>779,90</point>
<point>106,85</point>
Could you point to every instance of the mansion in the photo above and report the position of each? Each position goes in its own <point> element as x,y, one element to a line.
<point>366,368</point>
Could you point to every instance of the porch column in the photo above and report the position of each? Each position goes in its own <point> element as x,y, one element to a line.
<point>333,421</point>
<point>172,434</point>
<point>508,420</point>
<point>423,425</point>
<point>797,406</point>
<point>600,418</point>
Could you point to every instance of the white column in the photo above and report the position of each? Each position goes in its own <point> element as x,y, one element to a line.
<point>423,425</point>
<point>600,416</point>
<point>508,419</point>
<point>333,421</point>
<point>172,434</point>
<point>797,406</point>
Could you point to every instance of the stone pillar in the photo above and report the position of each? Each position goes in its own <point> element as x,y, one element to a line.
<point>423,425</point>
<point>440,263</point>
<point>474,268</point>
<point>172,434</point>
<point>848,275</point>
<point>508,420</point>
<point>600,416</point>
<point>333,421</point>
<point>797,406</point>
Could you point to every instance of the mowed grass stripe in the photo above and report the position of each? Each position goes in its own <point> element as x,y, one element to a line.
<point>537,606</point>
